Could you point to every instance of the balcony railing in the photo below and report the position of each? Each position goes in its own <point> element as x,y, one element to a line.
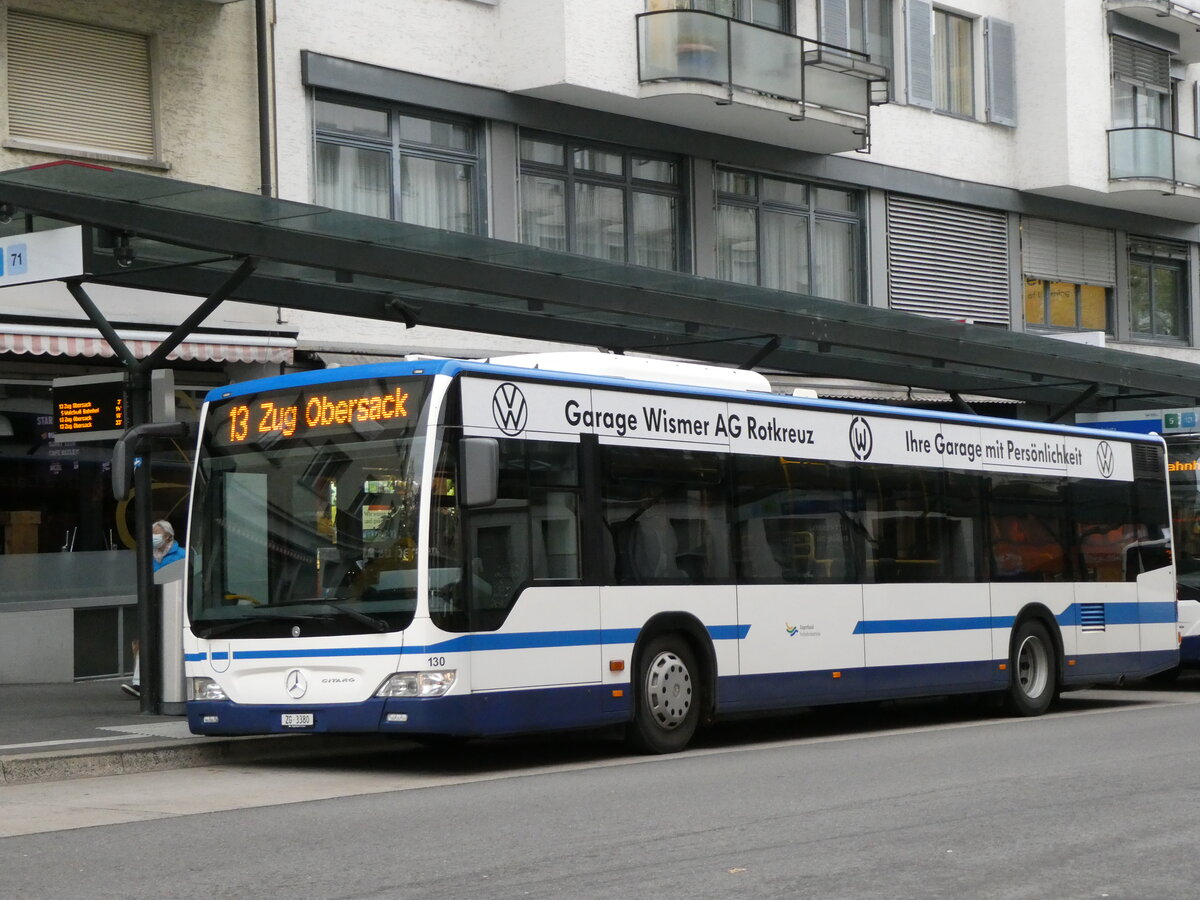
<point>686,45</point>
<point>1153,154</point>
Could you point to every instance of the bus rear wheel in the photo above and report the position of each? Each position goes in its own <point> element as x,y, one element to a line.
<point>1034,670</point>
<point>667,697</point>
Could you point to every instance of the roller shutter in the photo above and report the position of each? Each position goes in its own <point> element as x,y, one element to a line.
<point>948,261</point>
<point>1140,64</point>
<point>79,86</point>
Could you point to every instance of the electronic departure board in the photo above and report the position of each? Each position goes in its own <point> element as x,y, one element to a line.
<point>354,410</point>
<point>89,408</point>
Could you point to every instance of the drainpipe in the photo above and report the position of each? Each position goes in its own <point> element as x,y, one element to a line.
<point>263,53</point>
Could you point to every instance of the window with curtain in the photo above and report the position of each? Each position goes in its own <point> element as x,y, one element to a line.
<point>608,202</point>
<point>788,235</point>
<point>399,163</point>
<point>953,64</point>
<point>1158,290</point>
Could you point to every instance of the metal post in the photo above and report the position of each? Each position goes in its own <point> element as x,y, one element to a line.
<point>148,632</point>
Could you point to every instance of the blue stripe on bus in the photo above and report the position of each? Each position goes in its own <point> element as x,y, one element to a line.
<point>1114,614</point>
<point>493,641</point>
<point>905,626</point>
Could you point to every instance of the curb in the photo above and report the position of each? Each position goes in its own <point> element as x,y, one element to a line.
<point>32,768</point>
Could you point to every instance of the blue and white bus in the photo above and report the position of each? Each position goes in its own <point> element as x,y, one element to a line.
<point>457,548</point>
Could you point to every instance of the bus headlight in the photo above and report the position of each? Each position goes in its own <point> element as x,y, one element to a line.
<point>417,684</point>
<point>207,689</point>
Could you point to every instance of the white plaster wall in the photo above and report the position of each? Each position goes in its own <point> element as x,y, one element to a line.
<point>578,42</point>
<point>912,137</point>
<point>203,62</point>
<point>1064,95</point>
<point>532,46</point>
<point>909,137</point>
<point>37,647</point>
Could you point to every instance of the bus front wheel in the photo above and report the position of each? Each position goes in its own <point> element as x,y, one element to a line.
<point>1034,673</point>
<point>667,697</point>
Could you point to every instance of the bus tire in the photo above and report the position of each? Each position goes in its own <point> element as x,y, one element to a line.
<point>667,697</point>
<point>1033,684</point>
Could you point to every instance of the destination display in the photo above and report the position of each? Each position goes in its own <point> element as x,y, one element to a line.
<point>547,411</point>
<point>369,409</point>
<point>89,408</point>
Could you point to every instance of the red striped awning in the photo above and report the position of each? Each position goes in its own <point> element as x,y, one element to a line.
<point>205,348</point>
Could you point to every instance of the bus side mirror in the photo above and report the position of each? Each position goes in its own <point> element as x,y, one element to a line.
<point>478,471</point>
<point>122,470</point>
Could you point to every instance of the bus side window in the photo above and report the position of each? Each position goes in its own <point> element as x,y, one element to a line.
<point>530,533</point>
<point>1030,537</point>
<point>666,514</point>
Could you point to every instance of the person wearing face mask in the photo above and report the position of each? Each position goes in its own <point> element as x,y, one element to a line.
<point>165,551</point>
<point>163,540</point>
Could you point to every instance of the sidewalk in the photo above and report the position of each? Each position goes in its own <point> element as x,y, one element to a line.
<point>50,732</point>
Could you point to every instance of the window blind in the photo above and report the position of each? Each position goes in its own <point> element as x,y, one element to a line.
<point>1141,64</point>
<point>79,85</point>
<point>1058,251</point>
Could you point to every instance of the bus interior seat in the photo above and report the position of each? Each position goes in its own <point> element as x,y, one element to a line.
<point>758,562</point>
<point>653,554</point>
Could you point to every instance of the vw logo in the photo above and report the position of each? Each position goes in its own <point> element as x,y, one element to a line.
<point>509,409</point>
<point>296,684</point>
<point>861,439</point>
<point>1105,459</point>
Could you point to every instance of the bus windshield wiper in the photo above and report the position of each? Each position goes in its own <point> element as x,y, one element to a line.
<point>258,619</point>
<point>378,624</point>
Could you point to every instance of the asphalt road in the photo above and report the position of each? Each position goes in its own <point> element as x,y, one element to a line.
<point>942,799</point>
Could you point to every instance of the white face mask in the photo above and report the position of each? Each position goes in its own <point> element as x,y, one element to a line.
<point>157,540</point>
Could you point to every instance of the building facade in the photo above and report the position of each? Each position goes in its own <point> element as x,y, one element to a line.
<point>1032,167</point>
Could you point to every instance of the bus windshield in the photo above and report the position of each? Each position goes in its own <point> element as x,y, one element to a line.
<point>306,507</point>
<point>1183,454</point>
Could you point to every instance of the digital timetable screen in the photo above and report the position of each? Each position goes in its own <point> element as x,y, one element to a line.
<point>91,408</point>
<point>362,410</point>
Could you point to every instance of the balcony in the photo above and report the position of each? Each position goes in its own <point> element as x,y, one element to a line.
<point>1154,154</point>
<point>1163,164</point>
<point>1180,18</point>
<point>773,87</point>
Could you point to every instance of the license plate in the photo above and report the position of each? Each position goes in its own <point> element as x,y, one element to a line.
<point>297,720</point>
